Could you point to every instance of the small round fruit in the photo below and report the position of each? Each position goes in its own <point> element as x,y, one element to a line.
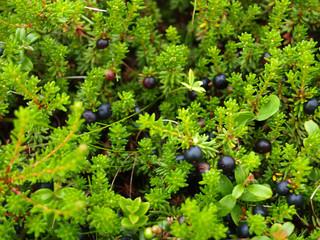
<point>220,81</point>
<point>226,163</point>
<point>89,116</point>
<point>149,82</point>
<point>258,209</point>
<point>137,109</point>
<point>192,95</point>
<point>104,111</point>
<point>102,43</point>
<point>263,146</point>
<point>109,75</point>
<point>1,49</point>
<point>205,83</point>
<point>180,158</point>
<point>243,230</point>
<point>210,135</point>
<point>181,219</point>
<point>203,167</point>
<point>295,199</point>
<point>310,106</point>
<point>194,153</point>
<point>282,188</point>
<point>148,234</point>
<point>264,57</point>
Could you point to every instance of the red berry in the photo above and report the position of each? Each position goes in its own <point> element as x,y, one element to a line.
<point>109,75</point>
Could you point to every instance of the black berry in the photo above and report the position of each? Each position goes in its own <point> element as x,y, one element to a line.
<point>102,43</point>
<point>89,116</point>
<point>137,109</point>
<point>263,146</point>
<point>220,81</point>
<point>192,95</point>
<point>49,185</point>
<point>205,83</point>
<point>295,199</point>
<point>149,82</point>
<point>1,49</point>
<point>310,106</point>
<point>231,176</point>
<point>211,135</point>
<point>243,230</point>
<point>203,167</point>
<point>180,158</point>
<point>226,163</point>
<point>194,153</point>
<point>258,209</point>
<point>282,188</point>
<point>264,57</point>
<point>104,111</point>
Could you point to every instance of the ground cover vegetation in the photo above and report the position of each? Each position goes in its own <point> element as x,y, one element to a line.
<point>150,119</point>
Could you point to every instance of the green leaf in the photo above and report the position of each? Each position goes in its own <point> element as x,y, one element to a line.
<point>20,34</point>
<point>237,191</point>
<point>260,238</point>
<point>141,221</point>
<point>311,127</point>
<point>240,174</point>
<point>243,118</point>
<point>268,109</point>
<point>226,204</point>
<point>133,218</point>
<point>126,222</point>
<point>289,227</point>
<point>235,213</point>
<point>144,207</point>
<point>275,228</point>
<point>42,196</point>
<point>32,37</point>
<point>225,185</point>
<point>26,63</point>
<point>124,202</point>
<point>256,192</point>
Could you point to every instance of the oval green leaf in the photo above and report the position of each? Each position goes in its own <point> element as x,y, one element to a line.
<point>268,109</point>
<point>242,118</point>
<point>225,185</point>
<point>237,191</point>
<point>256,192</point>
<point>311,127</point>
<point>226,204</point>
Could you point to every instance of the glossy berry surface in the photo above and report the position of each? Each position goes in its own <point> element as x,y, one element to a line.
<point>49,185</point>
<point>220,81</point>
<point>149,82</point>
<point>243,230</point>
<point>231,176</point>
<point>205,83</point>
<point>258,209</point>
<point>109,75</point>
<point>104,111</point>
<point>147,233</point>
<point>310,106</point>
<point>102,43</point>
<point>89,116</point>
<point>194,153</point>
<point>282,188</point>
<point>295,199</point>
<point>203,167</point>
<point>263,146</point>
<point>192,95</point>
<point>226,163</point>
<point>180,158</point>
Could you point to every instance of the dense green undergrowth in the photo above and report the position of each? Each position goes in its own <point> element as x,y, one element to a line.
<point>150,119</point>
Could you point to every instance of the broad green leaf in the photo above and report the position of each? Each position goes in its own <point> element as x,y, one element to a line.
<point>268,109</point>
<point>125,222</point>
<point>275,228</point>
<point>243,118</point>
<point>123,203</point>
<point>32,37</point>
<point>256,192</point>
<point>289,227</point>
<point>20,34</point>
<point>235,213</point>
<point>311,127</point>
<point>26,63</point>
<point>133,218</point>
<point>144,207</point>
<point>240,174</point>
<point>237,191</point>
<point>42,196</point>
<point>142,221</point>
<point>226,204</point>
<point>225,185</point>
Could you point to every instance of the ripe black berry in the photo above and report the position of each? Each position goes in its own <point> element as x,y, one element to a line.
<point>137,109</point>
<point>89,116</point>
<point>102,43</point>
<point>310,106</point>
<point>49,185</point>
<point>203,167</point>
<point>194,153</point>
<point>264,57</point>
<point>282,188</point>
<point>263,146</point>
<point>220,81</point>
<point>210,135</point>
<point>205,83</point>
<point>258,209</point>
<point>1,49</point>
<point>104,111</point>
<point>243,230</point>
<point>149,82</point>
<point>180,158</point>
<point>295,199</point>
<point>226,163</point>
<point>192,95</point>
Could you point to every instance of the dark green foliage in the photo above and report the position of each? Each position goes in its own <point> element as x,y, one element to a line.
<point>73,168</point>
